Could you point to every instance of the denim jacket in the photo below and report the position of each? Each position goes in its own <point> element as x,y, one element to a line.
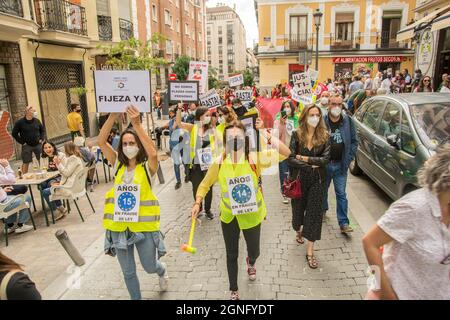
<point>121,240</point>
<point>349,137</point>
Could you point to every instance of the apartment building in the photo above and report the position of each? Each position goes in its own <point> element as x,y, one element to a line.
<point>182,22</point>
<point>354,36</point>
<point>225,41</point>
<point>49,47</point>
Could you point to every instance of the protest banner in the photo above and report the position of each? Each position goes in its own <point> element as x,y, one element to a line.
<point>244,95</point>
<point>116,90</point>
<point>198,71</point>
<point>236,80</point>
<point>185,91</point>
<point>313,74</point>
<point>302,83</point>
<point>210,99</point>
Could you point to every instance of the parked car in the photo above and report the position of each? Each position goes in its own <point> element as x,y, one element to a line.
<point>397,134</point>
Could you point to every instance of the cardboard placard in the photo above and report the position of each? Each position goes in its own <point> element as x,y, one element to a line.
<point>313,74</point>
<point>185,91</point>
<point>116,90</point>
<point>198,71</point>
<point>244,95</point>
<point>236,80</point>
<point>210,99</point>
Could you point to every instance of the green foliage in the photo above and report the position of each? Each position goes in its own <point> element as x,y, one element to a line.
<point>79,91</point>
<point>133,54</point>
<point>181,67</point>
<point>213,82</point>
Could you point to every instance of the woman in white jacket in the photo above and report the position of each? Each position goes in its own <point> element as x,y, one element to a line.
<point>69,168</point>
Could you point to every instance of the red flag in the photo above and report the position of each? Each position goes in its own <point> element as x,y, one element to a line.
<point>268,108</point>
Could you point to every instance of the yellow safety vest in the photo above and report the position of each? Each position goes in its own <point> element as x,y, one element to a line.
<point>193,143</point>
<point>149,211</point>
<point>245,221</point>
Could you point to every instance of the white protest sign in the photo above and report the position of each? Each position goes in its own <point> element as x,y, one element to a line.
<point>290,126</point>
<point>127,202</point>
<point>242,195</point>
<point>244,95</point>
<point>303,83</point>
<point>186,91</point>
<point>236,80</point>
<point>250,131</point>
<point>205,158</point>
<point>313,74</point>
<point>305,99</point>
<point>210,99</point>
<point>198,71</point>
<point>116,90</point>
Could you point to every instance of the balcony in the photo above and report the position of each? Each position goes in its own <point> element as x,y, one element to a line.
<point>126,29</point>
<point>12,7</point>
<point>60,15</point>
<point>158,53</point>
<point>104,28</point>
<point>295,42</point>
<point>350,41</point>
<point>385,41</point>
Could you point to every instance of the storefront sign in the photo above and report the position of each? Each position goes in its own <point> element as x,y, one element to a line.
<point>210,99</point>
<point>198,71</point>
<point>183,91</point>
<point>383,59</point>
<point>116,90</point>
<point>425,52</point>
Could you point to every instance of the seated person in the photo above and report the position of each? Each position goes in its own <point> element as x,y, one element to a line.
<point>72,165</point>
<point>49,152</point>
<point>88,158</point>
<point>7,177</point>
<point>114,138</point>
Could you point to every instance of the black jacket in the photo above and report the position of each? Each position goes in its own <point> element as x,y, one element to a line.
<point>321,158</point>
<point>28,131</point>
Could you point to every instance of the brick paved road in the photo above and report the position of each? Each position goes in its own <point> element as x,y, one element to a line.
<point>282,269</point>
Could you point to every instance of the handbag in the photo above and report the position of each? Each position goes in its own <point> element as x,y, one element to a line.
<point>292,188</point>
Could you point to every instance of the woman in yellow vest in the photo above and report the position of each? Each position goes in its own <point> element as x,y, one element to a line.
<point>131,213</point>
<point>202,148</point>
<point>242,204</point>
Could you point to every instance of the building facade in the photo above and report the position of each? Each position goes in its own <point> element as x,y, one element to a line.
<point>355,36</point>
<point>50,47</point>
<point>430,36</point>
<point>225,41</point>
<point>252,64</point>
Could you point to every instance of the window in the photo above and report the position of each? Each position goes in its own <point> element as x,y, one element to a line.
<point>344,26</point>
<point>178,26</point>
<point>200,37</point>
<point>208,31</point>
<point>167,18</point>
<point>220,50</point>
<point>230,48</point>
<point>220,30</point>
<point>186,29</point>
<point>220,40</point>
<point>230,57</point>
<point>177,3</point>
<point>169,47</point>
<point>372,115</point>
<point>408,144</point>
<point>390,25</point>
<point>154,13</point>
<point>390,122</point>
<point>103,8</point>
<point>298,26</point>
<point>208,50</point>
<point>229,33</point>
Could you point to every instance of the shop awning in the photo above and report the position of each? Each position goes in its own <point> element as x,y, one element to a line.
<point>441,22</point>
<point>408,31</point>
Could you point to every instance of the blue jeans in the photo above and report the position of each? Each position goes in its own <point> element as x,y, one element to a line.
<point>283,172</point>
<point>52,204</point>
<point>147,254</point>
<point>176,168</point>
<point>334,172</point>
<point>24,215</point>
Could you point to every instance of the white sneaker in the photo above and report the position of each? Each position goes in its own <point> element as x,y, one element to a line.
<point>164,279</point>
<point>285,200</point>
<point>24,228</point>
<point>10,230</point>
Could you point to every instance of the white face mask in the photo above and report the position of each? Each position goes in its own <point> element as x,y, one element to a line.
<point>324,101</point>
<point>130,151</point>
<point>335,112</point>
<point>207,120</point>
<point>221,120</point>
<point>313,121</point>
<point>288,111</point>
<point>35,114</point>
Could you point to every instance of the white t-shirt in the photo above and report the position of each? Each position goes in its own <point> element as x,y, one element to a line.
<point>421,241</point>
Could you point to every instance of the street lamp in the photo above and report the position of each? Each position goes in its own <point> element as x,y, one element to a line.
<point>317,17</point>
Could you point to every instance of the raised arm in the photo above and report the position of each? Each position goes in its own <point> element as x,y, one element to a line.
<point>107,149</point>
<point>146,141</point>
<point>182,125</point>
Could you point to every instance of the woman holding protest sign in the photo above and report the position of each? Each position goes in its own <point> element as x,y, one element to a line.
<point>202,149</point>
<point>132,212</point>
<point>242,204</point>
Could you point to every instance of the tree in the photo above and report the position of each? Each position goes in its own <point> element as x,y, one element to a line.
<point>181,67</point>
<point>213,82</point>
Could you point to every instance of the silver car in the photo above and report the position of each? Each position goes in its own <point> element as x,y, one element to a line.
<point>397,134</point>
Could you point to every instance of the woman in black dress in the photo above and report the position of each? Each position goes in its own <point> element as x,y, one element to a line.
<point>310,153</point>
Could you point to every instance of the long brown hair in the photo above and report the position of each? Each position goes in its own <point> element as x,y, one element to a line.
<point>7,264</point>
<point>72,149</point>
<point>320,135</point>
<point>141,156</point>
<point>229,114</point>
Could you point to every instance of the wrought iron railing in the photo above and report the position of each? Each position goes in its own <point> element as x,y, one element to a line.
<point>385,41</point>
<point>126,29</point>
<point>13,7</point>
<point>61,15</point>
<point>104,28</point>
<point>298,41</point>
<point>349,41</point>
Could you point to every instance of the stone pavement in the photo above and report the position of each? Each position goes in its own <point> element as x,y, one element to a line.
<point>281,269</point>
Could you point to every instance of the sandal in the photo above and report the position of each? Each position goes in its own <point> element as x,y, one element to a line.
<point>312,262</point>
<point>299,238</point>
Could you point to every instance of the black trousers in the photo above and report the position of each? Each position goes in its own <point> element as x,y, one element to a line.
<point>197,175</point>
<point>231,233</point>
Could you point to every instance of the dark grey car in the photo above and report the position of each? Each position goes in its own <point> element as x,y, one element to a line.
<point>397,134</point>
